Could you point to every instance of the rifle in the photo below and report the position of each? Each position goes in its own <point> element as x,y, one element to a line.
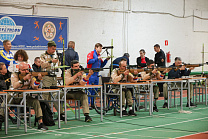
<point>192,65</point>
<point>188,65</point>
<point>86,70</point>
<point>43,73</point>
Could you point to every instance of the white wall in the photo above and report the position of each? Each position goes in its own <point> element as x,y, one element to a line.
<point>130,31</point>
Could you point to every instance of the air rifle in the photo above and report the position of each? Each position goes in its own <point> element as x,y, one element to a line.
<point>34,74</point>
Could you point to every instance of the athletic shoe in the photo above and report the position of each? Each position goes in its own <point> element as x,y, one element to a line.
<point>124,113</point>
<point>42,126</point>
<point>131,113</point>
<point>88,118</point>
<point>155,108</point>
<point>165,105</point>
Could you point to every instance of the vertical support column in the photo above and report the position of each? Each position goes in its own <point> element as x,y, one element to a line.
<point>65,112</point>
<point>59,103</point>
<point>101,103</point>
<point>121,101</point>
<point>25,118</point>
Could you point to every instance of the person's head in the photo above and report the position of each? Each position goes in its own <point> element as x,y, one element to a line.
<point>123,64</point>
<point>51,47</point>
<point>126,54</point>
<point>71,44</point>
<point>23,68</point>
<point>37,61</point>
<point>178,61</point>
<point>150,63</point>
<point>75,64</point>
<point>142,53</point>
<point>157,48</point>
<point>21,55</point>
<point>98,47</point>
<point>7,45</point>
<point>3,69</point>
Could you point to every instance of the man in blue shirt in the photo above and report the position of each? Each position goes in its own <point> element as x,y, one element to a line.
<point>94,60</point>
<point>6,56</point>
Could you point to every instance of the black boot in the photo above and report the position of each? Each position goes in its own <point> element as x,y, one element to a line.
<point>14,120</point>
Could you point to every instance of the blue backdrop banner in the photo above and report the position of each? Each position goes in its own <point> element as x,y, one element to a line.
<point>33,32</point>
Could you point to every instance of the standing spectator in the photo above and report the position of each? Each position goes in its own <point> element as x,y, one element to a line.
<point>94,60</point>
<point>159,56</point>
<point>48,60</point>
<point>70,54</point>
<point>6,56</point>
<point>159,61</point>
<point>142,60</point>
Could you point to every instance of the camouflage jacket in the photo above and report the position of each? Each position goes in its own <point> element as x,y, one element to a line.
<point>46,59</point>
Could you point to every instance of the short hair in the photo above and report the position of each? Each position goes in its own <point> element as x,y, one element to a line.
<point>123,59</point>
<point>21,52</point>
<point>157,45</point>
<point>149,62</point>
<point>74,62</point>
<point>36,58</point>
<point>178,58</point>
<point>1,65</point>
<point>98,45</point>
<point>71,43</point>
<point>126,54</point>
<point>142,50</point>
<point>5,41</point>
<point>21,64</point>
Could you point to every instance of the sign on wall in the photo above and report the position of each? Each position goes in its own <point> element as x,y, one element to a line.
<point>33,32</point>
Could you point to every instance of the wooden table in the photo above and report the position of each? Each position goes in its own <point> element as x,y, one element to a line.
<point>82,87</point>
<point>25,92</point>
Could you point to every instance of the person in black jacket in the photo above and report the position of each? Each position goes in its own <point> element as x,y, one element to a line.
<point>159,62</point>
<point>159,56</point>
<point>70,54</point>
<point>142,60</point>
<point>178,73</point>
<point>36,66</point>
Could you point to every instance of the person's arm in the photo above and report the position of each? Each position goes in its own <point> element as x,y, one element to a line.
<point>145,76</point>
<point>186,72</point>
<point>85,78</point>
<point>131,78</point>
<point>103,63</point>
<point>91,58</point>
<point>161,56</point>
<point>115,77</point>
<point>35,83</point>
<point>76,56</point>
<point>44,64</point>
<point>16,83</point>
<point>5,59</point>
<point>172,74</point>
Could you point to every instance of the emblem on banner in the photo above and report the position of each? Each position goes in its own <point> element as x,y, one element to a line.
<point>9,29</point>
<point>49,31</point>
